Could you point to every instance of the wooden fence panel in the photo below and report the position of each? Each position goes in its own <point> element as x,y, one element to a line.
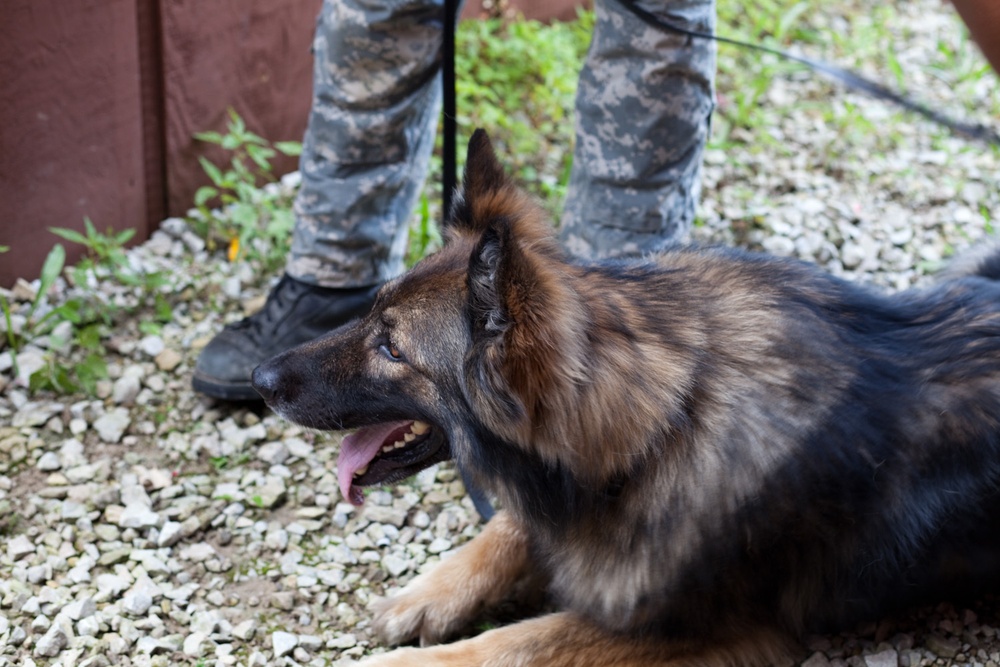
<point>71,125</point>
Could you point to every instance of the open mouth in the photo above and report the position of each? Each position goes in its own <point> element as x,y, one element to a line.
<point>387,453</point>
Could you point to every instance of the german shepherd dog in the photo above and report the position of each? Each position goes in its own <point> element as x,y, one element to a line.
<point>701,457</point>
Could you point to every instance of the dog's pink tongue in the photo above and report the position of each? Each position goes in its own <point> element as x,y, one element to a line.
<point>356,451</point>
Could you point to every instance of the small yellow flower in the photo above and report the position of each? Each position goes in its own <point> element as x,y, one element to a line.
<point>234,248</point>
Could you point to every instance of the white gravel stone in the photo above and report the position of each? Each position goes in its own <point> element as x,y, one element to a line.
<point>159,243</point>
<point>111,426</point>
<point>231,287</point>
<point>55,639</point>
<point>155,383</point>
<point>138,515</point>
<point>125,390</point>
<point>170,533</point>
<point>887,658</point>
<point>395,565</point>
<point>283,643</point>
<point>110,585</point>
<point>439,545</point>
<point>81,573</point>
<point>198,553</point>
<point>19,546</point>
<point>30,360</point>
<point>79,609</point>
<point>343,641</point>
<point>116,644</point>
<point>35,413</point>
<point>270,494</point>
<point>299,447</point>
<point>48,462</point>
<point>152,345</point>
<point>193,242</point>
<point>39,574</point>
<point>174,227</point>
<point>245,630</point>
<point>273,453</point>
<point>390,515</point>
<point>779,245</point>
<point>196,644</point>
<point>72,453</point>
<point>137,604</point>
<point>88,627</point>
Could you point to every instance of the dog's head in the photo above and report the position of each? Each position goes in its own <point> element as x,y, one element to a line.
<point>463,343</point>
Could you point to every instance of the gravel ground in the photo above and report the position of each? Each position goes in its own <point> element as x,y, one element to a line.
<point>149,526</point>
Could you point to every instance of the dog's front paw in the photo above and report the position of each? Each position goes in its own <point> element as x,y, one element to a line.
<point>448,598</point>
<point>422,612</point>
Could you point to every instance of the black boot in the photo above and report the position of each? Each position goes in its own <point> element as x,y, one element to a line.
<point>295,312</point>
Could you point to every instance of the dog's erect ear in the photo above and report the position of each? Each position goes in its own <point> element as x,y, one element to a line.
<point>488,281</point>
<point>482,180</point>
<point>492,278</point>
<point>483,172</point>
<point>524,314</point>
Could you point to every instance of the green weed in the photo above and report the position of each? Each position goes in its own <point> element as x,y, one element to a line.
<point>104,252</point>
<point>76,357</point>
<point>253,221</point>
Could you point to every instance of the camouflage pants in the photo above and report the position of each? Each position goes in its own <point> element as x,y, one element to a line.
<point>643,107</point>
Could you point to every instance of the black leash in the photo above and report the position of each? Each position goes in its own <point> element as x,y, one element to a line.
<point>450,167</point>
<point>448,183</point>
<point>850,79</point>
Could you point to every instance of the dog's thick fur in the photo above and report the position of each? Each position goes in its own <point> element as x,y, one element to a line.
<point>705,455</point>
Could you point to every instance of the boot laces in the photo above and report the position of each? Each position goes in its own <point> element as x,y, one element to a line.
<point>277,304</point>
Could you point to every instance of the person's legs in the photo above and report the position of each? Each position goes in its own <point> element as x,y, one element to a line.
<point>371,131</point>
<point>370,136</point>
<point>643,108</point>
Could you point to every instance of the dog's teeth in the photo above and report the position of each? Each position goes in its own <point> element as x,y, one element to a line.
<point>361,471</point>
<point>420,427</point>
<point>396,445</point>
<point>410,437</point>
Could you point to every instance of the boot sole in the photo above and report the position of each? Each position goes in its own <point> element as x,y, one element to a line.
<point>226,391</point>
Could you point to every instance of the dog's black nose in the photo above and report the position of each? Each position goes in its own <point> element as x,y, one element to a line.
<point>265,380</point>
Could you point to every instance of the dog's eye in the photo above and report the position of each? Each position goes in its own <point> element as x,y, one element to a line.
<point>391,351</point>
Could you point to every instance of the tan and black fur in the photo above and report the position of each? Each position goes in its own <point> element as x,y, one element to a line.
<point>702,456</point>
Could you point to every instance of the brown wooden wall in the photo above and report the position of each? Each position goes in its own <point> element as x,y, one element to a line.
<point>99,101</point>
<point>71,124</point>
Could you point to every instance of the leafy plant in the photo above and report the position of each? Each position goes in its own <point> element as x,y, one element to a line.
<point>89,316</point>
<point>105,251</point>
<point>519,79</point>
<point>244,210</point>
<point>51,269</point>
